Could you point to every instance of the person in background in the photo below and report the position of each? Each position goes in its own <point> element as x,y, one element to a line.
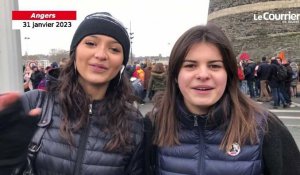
<point>147,71</point>
<point>240,74</point>
<point>299,72</point>
<point>36,77</point>
<point>54,65</point>
<point>27,85</point>
<point>283,95</point>
<point>263,74</point>
<point>139,73</point>
<point>43,83</point>
<point>243,87</point>
<point>93,128</point>
<point>42,70</point>
<point>256,81</point>
<point>274,82</point>
<point>157,80</point>
<point>287,83</point>
<point>295,78</point>
<point>63,62</point>
<point>129,69</point>
<point>249,71</point>
<point>204,124</point>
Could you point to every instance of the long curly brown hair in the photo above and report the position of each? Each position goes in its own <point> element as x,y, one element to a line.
<point>74,104</point>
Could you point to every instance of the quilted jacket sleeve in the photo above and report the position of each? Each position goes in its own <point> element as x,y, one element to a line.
<point>136,165</point>
<point>280,152</point>
<point>137,161</point>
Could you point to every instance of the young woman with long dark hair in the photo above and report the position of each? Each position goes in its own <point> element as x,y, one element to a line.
<point>93,128</point>
<point>205,125</point>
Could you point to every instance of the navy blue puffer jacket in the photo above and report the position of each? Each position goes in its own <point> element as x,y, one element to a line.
<point>199,152</point>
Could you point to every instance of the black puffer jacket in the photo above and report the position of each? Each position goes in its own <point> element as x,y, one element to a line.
<point>87,156</point>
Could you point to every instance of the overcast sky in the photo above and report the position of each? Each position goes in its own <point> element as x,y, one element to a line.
<point>156,24</point>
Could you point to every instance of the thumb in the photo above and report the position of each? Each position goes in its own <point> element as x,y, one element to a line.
<point>35,112</point>
<point>8,99</point>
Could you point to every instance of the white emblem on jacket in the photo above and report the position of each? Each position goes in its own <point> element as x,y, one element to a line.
<point>234,150</point>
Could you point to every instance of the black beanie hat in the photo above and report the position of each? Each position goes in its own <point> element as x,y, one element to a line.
<point>102,23</point>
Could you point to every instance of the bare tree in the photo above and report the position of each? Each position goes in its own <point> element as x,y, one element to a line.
<point>57,54</point>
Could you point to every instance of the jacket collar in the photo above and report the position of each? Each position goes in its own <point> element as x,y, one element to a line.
<point>217,115</point>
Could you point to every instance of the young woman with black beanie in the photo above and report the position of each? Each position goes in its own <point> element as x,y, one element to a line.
<point>88,125</point>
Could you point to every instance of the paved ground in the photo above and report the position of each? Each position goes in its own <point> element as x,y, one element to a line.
<point>289,116</point>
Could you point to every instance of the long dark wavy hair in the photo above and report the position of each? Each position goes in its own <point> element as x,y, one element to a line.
<point>74,104</point>
<point>242,119</point>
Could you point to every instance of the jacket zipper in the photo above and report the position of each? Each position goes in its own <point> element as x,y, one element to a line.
<point>200,129</point>
<point>82,144</point>
<point>203,148</point>
<point>195,120</point>
<point>90,109</point>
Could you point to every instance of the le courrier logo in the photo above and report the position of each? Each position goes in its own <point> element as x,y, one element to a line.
<point>283,17</point>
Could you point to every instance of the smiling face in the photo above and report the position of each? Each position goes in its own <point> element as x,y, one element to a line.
<point>98,60</point>
<point>202,77</point>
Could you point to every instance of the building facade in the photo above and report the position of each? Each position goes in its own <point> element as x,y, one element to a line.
<point>259,27</point>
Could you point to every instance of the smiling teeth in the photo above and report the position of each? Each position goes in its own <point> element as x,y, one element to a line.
<point>202,89</point>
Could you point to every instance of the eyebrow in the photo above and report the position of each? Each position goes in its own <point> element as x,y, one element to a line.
<point>194,61</point>
<point>111,41</point>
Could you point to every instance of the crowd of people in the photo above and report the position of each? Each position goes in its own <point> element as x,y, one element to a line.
<point>85,122</point>
<point>35,76</point>
<point>259,80</point>
<point>273,79</point>
<point>147,79</point>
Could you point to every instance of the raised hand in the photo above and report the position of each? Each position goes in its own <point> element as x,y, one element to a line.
<point>9,98</point>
